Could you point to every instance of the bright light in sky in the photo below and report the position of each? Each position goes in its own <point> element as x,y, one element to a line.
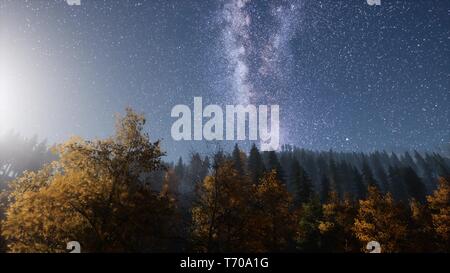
<point>8,93</point>
<point>15,82</point>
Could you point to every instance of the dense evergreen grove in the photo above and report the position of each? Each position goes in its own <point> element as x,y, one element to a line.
<point>117,195</point>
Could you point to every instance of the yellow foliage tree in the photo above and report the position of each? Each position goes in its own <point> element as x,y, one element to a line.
<point>439,204</point>
<point>93,194</point>
<point>235,215</point>
<point>422,237</point>
<point>220,217</point>
<point>380,219</point>
<point>274,219</point>
<point>337,223</point>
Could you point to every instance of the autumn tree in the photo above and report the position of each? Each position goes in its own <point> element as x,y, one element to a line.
<point>95,194</point>
<point>220,217</point>
<point>380,219</point>
<point>308,237</point>
<point>422,237</point>
<point>273,220</point>
<point>439,204</point>
<point>336,224</point>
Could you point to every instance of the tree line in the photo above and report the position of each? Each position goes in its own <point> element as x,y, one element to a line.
<point>19,154</point>
<point>118,195</point>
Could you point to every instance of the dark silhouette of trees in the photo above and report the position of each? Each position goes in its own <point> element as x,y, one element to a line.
<point>302,183</point>
<point>255,165</point>
<point>360,190</point>
<point>325,189</point>
<point>239,160</point>
<point>414,186</point>
<point>274,164</point>
<point>367,174</point>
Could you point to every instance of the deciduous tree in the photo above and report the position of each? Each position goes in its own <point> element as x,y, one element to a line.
<point>439,204</point>
<point>380,219</point>
<point>93,194</point>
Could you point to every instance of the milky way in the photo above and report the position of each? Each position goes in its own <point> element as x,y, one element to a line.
<point>255,50</point>
<point>347,75</point>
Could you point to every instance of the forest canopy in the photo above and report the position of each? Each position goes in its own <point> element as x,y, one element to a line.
<point>118,195</point>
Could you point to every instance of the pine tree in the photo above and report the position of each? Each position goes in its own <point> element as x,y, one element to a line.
<point>395,162</point>
<point>397,184</point>
<point>367,174</point>
<point>415,187</point>
<point>238,159</point>
<point>442,167</point>
<point>360,189</point>
<point>426,171</point>
<point>408,161</point>
<point>334,176</point>
<point>256,167</point>
<point>274,164</point>
<point>346,174</point>
<point>302,182</point>
<point>198,170</point>
<point>179,168</point>
<point>380,172</point>
<point>325,189</point>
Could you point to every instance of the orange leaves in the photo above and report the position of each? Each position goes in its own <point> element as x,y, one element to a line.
<point>439,204</point>
<point>235,215</point>
<point>381,219</point>
<point>93,194</point>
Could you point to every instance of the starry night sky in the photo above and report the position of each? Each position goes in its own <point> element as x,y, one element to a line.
<point>347,76</point>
